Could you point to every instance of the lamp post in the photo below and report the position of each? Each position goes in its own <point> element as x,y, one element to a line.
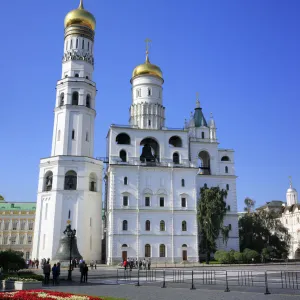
<point>71,233</point>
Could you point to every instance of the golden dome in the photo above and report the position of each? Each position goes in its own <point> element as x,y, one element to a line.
<point>80,16</point>
<point>147,69</point>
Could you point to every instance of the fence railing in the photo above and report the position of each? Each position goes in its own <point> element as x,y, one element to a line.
<point>265,280</point>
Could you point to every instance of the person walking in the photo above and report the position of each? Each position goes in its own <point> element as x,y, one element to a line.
<point>46,271</point>
<point>85,273</point>
<point>54,274</point>
<point>58,273</point>
<point>81,269</point>
<point>149,264</point>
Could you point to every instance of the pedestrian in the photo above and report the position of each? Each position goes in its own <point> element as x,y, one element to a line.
<point>46,271</point>
<point>37,263</point>
<point>81,269</point>
<point>54,274</point>
<point>140,264</point>
<point>85,273</point>
<point>95,266</point>
<point>125,264</point>
<point>144,264</point>
<point>136,263</point>
<point>58,272</point>
<point>149,264</point>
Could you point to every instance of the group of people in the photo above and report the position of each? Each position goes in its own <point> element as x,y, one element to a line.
<point>32,263</point>
<point>47,271</point>
<point>138,264</point>
<point>83,268</point>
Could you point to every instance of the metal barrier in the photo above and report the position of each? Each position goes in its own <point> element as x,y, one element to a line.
<point>229,279</point>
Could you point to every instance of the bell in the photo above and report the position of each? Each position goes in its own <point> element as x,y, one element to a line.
<point>147,154</point>
<point>63,252</point>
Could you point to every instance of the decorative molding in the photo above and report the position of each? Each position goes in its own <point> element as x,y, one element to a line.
<point>75,54</point>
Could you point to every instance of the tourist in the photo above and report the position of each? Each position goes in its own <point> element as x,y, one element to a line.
<point>149,264</point>
<point>46,271</point>
<point>81,269</point>
<point>85,273</point>
<point>58,272</point>
<point>54,274</point>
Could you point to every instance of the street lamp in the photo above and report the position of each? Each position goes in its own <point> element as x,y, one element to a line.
<point>71,233</point>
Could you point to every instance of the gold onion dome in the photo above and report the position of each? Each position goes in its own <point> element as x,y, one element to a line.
<point>80,16</point>
<point>147,69</point>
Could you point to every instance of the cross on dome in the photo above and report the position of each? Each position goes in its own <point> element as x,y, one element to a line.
<point>197,100</point>
<point>81,4</point>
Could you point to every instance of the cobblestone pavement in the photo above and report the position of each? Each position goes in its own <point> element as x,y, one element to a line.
<point>132,292</point>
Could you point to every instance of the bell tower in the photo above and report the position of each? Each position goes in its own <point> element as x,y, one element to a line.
<point>70,180</point>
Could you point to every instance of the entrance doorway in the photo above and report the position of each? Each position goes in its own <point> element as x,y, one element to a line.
<point>184,255</point>
<point>124,255</point>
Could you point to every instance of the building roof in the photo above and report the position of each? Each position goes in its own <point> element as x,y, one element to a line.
<point>272,204</point>
<point>30,206</point>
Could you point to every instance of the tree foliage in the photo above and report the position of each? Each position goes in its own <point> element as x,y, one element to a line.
<point>249,205</point>
<point>211,210</point>
<point>261,230</point>
<point>12,260</point>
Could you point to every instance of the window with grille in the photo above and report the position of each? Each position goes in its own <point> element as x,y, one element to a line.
<point>161,201</point>
<point>162,226</point>
<point>162,251</point>
<point>147,250</point>
<point>147,225</point>
<point>147,201</point>
<point>125,225</point>
<point>125,200</point>
<point>183,226</point>
<point>183,202</point>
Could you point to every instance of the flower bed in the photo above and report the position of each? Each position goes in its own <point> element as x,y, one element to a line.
<point>45,295</point>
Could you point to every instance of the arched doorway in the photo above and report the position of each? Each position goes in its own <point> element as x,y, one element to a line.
<point>184,252</point>
<point>124,252</point>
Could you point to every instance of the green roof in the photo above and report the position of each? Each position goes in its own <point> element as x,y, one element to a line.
<point>17,205</point>
<point>199,118</point>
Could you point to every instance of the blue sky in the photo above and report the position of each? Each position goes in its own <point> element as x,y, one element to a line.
<point>241,56</point>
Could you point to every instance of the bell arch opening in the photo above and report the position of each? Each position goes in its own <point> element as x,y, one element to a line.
<point>123,139</point>
<point>175,141</point>
<point>48,181</point>
<point>149,149</point>
<point>204,162</point>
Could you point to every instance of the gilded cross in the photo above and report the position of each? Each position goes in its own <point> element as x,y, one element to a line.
<point>147,41</point>
<point>290,178</point>
<point>197,96</point>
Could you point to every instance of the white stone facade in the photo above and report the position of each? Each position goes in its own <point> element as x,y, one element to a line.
<point>70,181</point>
<point>151,206</point>
<point>290,218</point>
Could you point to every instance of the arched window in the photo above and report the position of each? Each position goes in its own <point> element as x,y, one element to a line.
<point>147,225</point>
<point>69,214</point>
<point>125,225</point>
<point>75,97</point>
<point>76,75</point>
<point>202,135</point>
<point>149,149</point>
<point>204,163</point>
<point>124,246</point>
<point>73,134</point>
<point>149,92</point>
<point>82,44</point>
<point>184,245</point>
<point>205,185</point>
<point>76,43</point>
<point>183,226</point>
<point>227,187</point>
<point>182,183</point>
<point>147,250</point>
<point>93,182</point>
<point>175,141</point>
<point>88,101</point>
<point>225,158</point>
<point>62,99</point>
<point>86,136</point>
<point>48,181</point>
<point>125,200</point>
<point>71,44</point>
<point>71,180</point>
<point>226,169</point>
<point>123,139</point>
<point>125,180</point>
<point>162,226</point>
<point>175,158</point>
<point>162,250</point>
<point>123,155</point>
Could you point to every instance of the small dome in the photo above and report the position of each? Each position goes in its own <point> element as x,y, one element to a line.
<point>80,16</point>
<point>291,190</point>
<point>147,69</point>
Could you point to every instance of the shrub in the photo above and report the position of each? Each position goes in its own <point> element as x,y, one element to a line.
<point>250,255</point>
<point>11,260</point>
<point>239,257</point>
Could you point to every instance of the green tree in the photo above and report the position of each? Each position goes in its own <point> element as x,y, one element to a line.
<point>249,205</point>
<point>261,230</point>
<point>211,210</point>
<point>1,198</point>
<point>11,260</point>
